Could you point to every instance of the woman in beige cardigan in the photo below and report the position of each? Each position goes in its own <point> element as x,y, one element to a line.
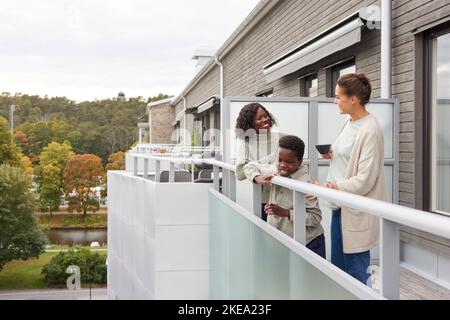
<point>357,166</point>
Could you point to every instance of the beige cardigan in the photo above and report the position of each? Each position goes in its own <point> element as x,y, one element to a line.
<point>364,176</point>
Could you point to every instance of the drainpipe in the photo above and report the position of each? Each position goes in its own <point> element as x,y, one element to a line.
<point>222,113</point>
<point>184,121</point>
<point>386,49</point>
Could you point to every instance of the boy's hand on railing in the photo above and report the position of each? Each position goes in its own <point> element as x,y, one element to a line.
<point>265,179</point>
<point>276,210</point>
<point>309,197</point>
<point>327,156</point>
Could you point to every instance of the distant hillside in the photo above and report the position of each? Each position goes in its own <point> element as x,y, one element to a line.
<point>100,127</point>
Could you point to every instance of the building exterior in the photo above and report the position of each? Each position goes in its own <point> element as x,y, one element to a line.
<point>291,48</point>
<point>161,115</point>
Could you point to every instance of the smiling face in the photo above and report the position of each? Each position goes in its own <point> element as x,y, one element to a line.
<point>261,121</point>
<point>346,104</point>
<point>288,162</point>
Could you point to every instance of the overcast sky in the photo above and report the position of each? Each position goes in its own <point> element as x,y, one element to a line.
<point>89,49</point>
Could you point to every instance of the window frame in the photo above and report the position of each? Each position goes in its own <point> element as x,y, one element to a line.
<point>427,156</point>
<point>335,74</point>
<point>304,84</point>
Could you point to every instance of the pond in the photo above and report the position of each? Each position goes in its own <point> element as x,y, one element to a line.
<point>77,236</point>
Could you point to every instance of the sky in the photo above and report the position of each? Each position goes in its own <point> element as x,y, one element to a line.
<point>92,49</point>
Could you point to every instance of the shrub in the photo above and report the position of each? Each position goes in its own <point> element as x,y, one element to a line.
<point>92,267</point>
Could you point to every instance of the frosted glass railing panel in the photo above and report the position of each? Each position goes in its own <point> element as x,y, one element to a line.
<point>248,263</point>
<point>292,118</point>
<point>330,123</point>
<point>384,112</point>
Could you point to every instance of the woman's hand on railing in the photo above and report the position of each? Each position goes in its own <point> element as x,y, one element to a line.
<point>331,185</point>
<point>276,210</point>
<point>327,156</point>
<point>265,179</point>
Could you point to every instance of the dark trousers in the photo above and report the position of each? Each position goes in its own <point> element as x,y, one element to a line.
<point>263,213</point>
<point>317,245</point>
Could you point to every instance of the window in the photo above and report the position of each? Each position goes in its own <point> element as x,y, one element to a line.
<point>338,71</point>
<point>438,117</point>
<point>309,86</point>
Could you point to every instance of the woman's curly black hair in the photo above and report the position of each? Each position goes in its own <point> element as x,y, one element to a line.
<point>247,115</point>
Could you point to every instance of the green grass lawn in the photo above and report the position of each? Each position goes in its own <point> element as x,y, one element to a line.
<point>21,275</point>
<point>26,275</point>
<point>74,220</point>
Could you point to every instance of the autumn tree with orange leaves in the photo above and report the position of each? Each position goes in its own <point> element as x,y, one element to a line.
<point>81,174</point>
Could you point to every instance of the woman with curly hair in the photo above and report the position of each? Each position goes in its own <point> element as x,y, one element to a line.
<point>255,141</point>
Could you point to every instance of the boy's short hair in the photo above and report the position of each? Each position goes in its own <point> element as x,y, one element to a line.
<point>293,143</point>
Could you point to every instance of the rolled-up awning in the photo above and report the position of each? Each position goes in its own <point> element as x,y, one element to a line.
<point>208,104</point>
<point>336,38</point>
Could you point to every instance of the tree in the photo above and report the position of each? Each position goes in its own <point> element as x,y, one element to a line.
<point>82,173</point>
<point>26,165</point>
<point>51,189</point>
<point>116,161</point>
<point>57,154</point>
<point>21,139</point>
<point>20,236</point>
<point>9,153</point>
<point>53,160</point>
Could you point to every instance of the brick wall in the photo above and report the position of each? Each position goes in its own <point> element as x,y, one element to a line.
<point>160,119</point>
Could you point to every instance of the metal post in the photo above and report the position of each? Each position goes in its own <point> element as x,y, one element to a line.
<point>172,172</point>
<point>257,199</point>
<point>386,49</point>
<point>136,163</point>
<point>225,182</point>
<point>216,178</point>
<point>193,171</point>
<point>299,218</point>
<point>145,168</point>
<point>158,171</point>
<point>232,184</point>
<point>390,259</point>
<point>140,135</point>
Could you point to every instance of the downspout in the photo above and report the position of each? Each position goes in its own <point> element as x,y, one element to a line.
<point>222,109</point>
<point>386,49</point>
<point>184,121</point>
<point>390,231</point>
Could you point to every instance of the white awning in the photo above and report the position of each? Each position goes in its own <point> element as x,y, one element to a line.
<point>208,104</point>
<point>334,39</point>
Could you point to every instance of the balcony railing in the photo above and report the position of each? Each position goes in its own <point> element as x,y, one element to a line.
<point>391,215</point>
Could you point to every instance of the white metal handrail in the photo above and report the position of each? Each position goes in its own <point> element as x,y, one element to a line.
<point>392,215</point>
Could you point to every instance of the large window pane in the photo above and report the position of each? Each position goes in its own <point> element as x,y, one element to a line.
<point>440,128</point>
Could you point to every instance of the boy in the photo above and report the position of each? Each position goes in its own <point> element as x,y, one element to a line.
<point>280,206</point>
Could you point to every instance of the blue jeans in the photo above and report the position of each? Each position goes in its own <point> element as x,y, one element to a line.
<point>355,264</point>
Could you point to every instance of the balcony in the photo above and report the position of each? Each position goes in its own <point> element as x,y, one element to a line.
<point>177,239</point>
